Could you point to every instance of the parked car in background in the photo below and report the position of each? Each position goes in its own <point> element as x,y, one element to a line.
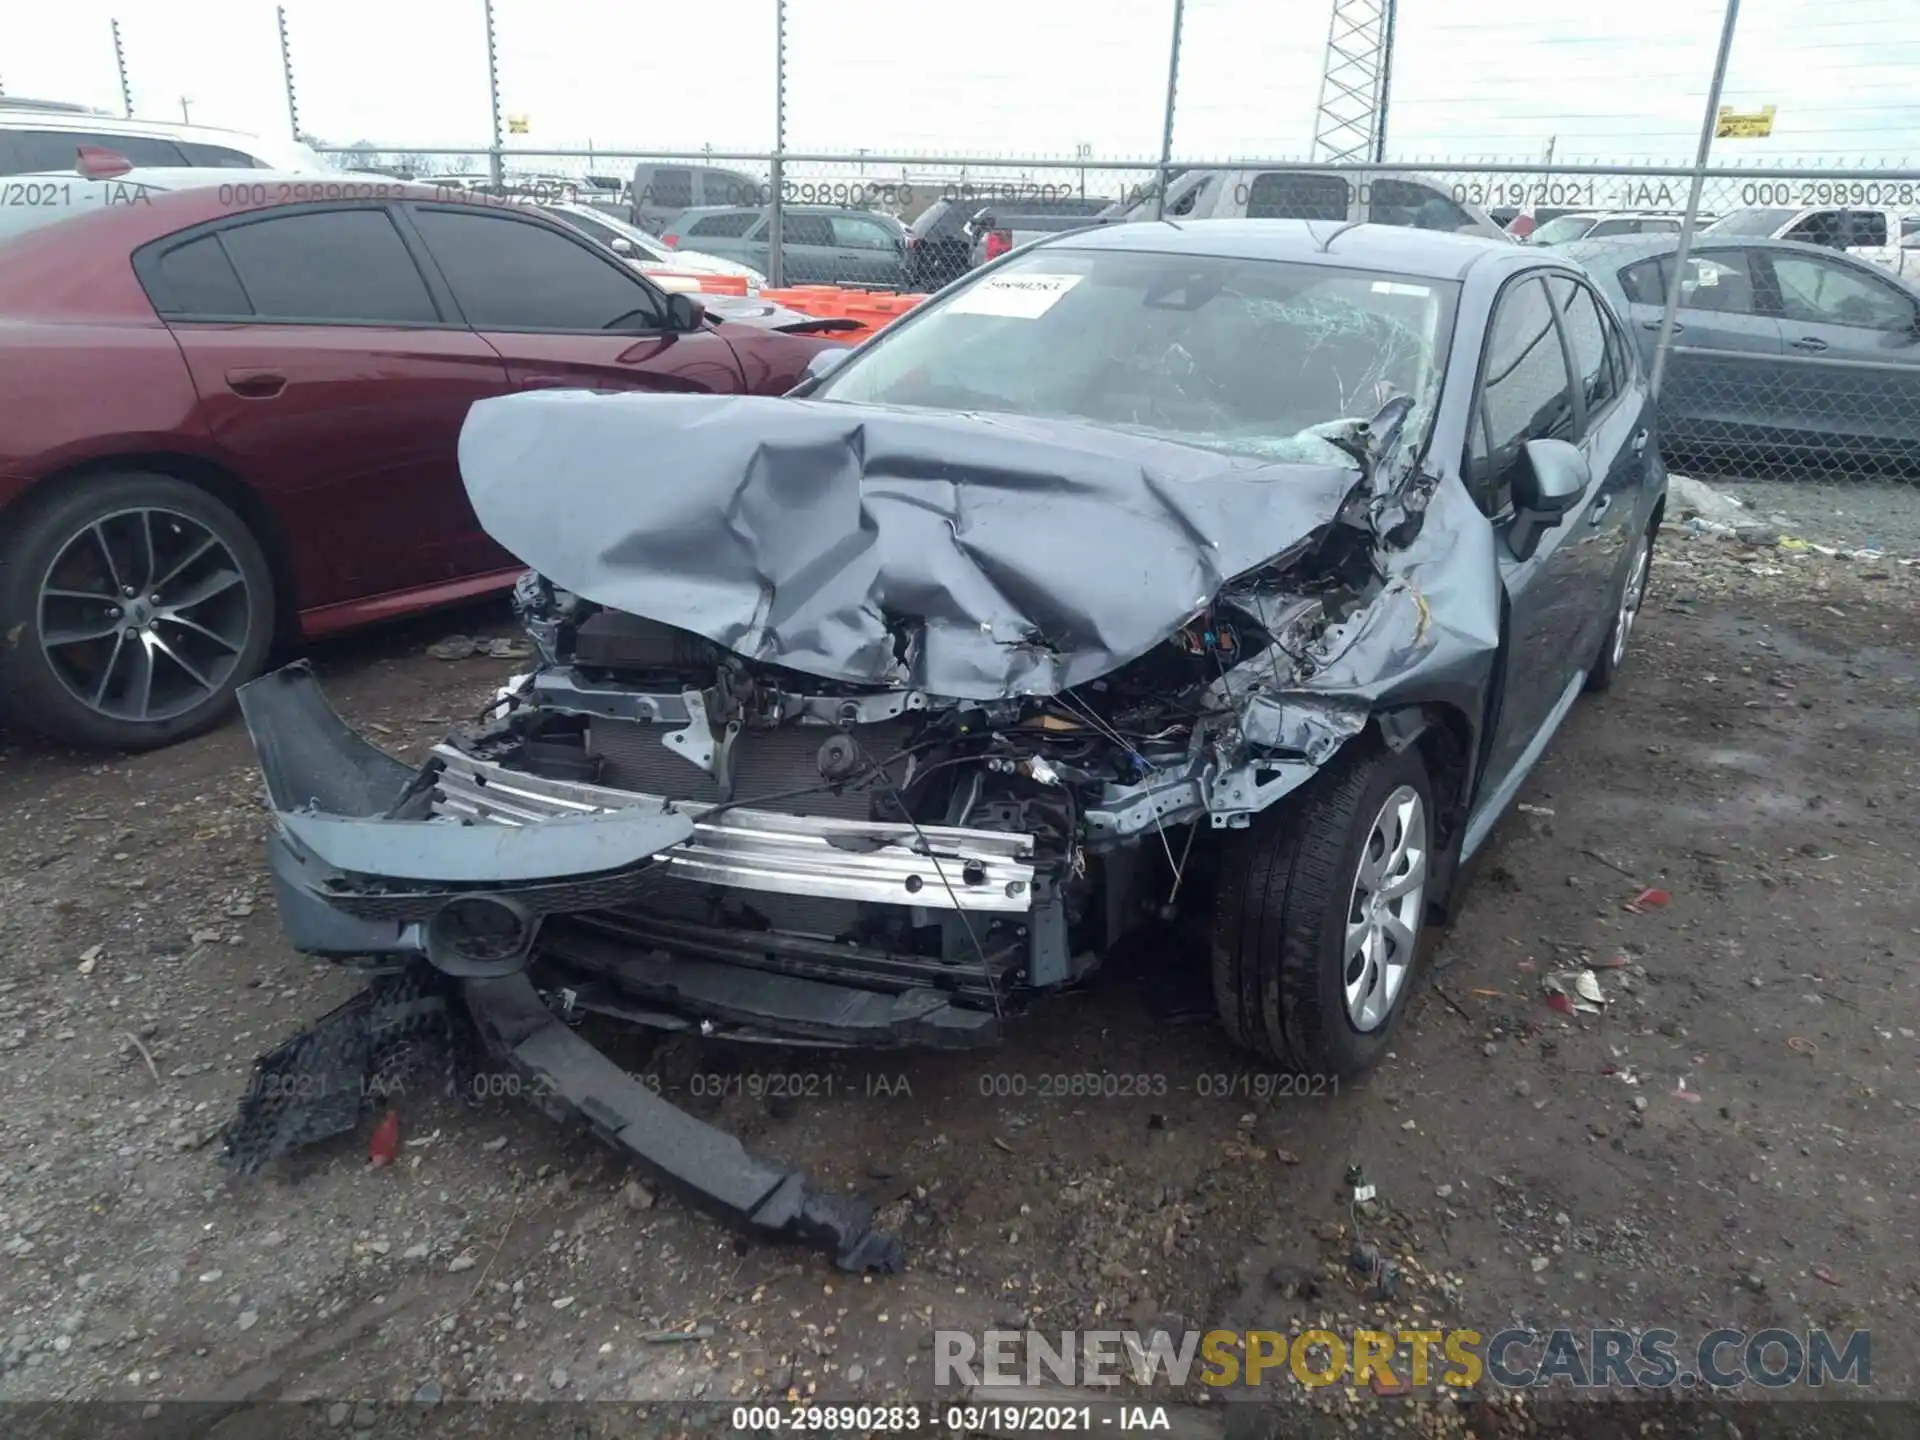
<point>819,244</point>
<point>1781,351</point>
<point>1886,237</point>
<point>232,411</point>
<point>940,249</point>
<point>647,253</point>
<point>1598,224</point>
<point>1381,198</point>
<point>1519,223</point>
<point>661,192</point>
<point>47,135</point>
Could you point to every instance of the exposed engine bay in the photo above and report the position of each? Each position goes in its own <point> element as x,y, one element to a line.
<point>1011,825</point>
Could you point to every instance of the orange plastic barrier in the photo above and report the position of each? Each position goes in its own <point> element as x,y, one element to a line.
<point>723,284</point>
<point>874,309</point>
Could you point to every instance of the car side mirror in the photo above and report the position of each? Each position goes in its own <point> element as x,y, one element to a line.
<point>620,245</point>
<point>684,312</point>
<point>824,363</point>
<point>1552,478</point>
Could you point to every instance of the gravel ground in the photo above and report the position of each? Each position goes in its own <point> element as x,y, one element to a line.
<point>1856,512</point>
<point>1733,1141</point>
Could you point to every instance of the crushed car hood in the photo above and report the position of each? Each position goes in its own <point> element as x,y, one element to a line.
<point>967,555</point>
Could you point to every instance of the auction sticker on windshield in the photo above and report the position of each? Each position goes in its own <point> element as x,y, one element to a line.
<point>1022,297</point>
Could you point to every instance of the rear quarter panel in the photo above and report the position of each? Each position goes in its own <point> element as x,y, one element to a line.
<point>90,370</point>
<point>772,363</point>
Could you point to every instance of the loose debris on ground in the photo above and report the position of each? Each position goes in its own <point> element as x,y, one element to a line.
<point>1726,1136</point>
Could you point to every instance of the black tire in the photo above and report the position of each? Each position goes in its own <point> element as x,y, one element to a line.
<point>32,688</point>
<point>1281,914</point>
<point>1606,665</point>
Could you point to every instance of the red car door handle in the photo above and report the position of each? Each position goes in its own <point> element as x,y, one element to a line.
<point>256,384</point>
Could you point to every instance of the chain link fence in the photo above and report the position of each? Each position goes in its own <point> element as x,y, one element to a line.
<point>1040,116</point>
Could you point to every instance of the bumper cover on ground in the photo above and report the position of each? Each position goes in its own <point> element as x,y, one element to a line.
<point>363,866</point>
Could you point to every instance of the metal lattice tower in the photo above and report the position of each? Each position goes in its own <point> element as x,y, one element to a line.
<point>1351,122</point>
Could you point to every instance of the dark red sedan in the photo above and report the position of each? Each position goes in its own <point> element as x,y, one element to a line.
<point>231,412</point>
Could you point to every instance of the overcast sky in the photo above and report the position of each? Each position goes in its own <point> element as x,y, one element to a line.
<point>1615,81</point>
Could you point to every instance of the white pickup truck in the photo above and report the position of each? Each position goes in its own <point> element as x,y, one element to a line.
<point>1889,238</point>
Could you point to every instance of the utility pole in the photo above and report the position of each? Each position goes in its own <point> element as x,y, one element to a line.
<point>776,216</point>
<point>1166,129</point>
<point>185,118</point>
<point>286,70</point>
<point>120,64</point>
<point>1663,342</point>
<point>495,161</point>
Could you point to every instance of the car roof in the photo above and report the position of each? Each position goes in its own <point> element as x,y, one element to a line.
<point>189,177</point>
<point>34,117</point>
<point>703,210</point>
<point>1399,249</point>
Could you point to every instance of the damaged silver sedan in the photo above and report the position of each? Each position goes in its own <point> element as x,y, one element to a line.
<point>1227,574</point>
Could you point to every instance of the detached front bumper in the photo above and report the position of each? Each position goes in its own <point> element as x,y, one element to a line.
<point>370,860</point>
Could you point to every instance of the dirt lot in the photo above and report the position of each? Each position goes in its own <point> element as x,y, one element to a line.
<point>1734,1141</point>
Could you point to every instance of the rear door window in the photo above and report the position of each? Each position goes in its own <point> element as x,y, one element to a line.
<point>513,274</point>
<point>1868,227</point>
<point>24,152</point>
<point>1822,227</point>
<point>1287,195</point>
<point>1717,281</point>
<point>220,157</point>
<point>805,230</point>
<point>856,232</point>
<point>670,189</point>
<point>329,265</point>
<point>725,227</point>
<point>1402,202</point>
<point>194,279</point>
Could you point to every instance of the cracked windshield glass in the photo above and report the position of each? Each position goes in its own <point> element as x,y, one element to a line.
<point>1242,356</point>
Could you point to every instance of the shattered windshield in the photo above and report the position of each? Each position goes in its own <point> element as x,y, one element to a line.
<point>1237,355</point>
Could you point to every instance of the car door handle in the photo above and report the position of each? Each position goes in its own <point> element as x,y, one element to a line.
<point>256,384</point>
<point>1640,442</point>
<point>1810,343</point>
<point>1599,510</point>
<point>1655,325</point>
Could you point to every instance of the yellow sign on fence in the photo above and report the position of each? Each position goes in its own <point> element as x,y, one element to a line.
<point>1744,124</point>
<point>517,124</point>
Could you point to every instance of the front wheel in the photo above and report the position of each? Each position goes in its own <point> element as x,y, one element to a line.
<point>1317,922</point>
<point>132,606</point>
<point>1626,610</point>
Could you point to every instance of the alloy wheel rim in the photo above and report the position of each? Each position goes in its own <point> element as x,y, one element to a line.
<point>1384,909</point>
<point>144,614</point>
<point>1630,598</point>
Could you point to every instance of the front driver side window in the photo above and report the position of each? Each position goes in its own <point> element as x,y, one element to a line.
<point>1526,392</point>
<point>509,273</point>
